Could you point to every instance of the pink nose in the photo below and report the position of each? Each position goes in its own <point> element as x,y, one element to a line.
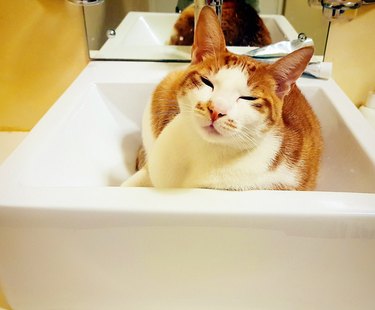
<point>214,113</point>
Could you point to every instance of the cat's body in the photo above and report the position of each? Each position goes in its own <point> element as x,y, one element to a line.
<point>229,122</point>
<point>241,26</point>
<point>192,162</point>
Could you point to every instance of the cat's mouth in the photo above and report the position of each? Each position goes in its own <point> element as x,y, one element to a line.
<point>211,130</point>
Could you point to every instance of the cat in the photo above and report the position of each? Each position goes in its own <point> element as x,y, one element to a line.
<point>229,122</point>
<point>241,25</point>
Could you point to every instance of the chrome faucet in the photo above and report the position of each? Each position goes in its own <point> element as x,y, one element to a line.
<point>216,4</point>
<point>334,9</point>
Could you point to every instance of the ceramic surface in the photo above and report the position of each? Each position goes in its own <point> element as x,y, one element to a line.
<point>73,239</point>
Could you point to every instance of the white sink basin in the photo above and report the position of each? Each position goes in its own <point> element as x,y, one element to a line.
<point>73,239</point>
<point>145,35</point>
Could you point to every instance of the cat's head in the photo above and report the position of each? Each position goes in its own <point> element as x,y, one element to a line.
<point>233,99</point>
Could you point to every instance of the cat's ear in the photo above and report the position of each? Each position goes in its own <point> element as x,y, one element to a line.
<point>288,69</point>
<point>208,36</point>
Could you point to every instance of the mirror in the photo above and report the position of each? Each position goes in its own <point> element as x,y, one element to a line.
<point>145,29</point>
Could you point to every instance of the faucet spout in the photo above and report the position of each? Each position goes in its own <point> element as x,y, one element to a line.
<point>199,4</point>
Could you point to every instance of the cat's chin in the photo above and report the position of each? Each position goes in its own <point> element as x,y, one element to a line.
<point>211,134</point>
<point>211,130</point>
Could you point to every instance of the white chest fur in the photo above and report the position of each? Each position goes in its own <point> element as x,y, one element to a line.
<point>179,157</point>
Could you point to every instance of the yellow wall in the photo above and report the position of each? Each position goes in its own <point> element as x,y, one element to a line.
<point>3,304</point>
<point>308,20</point>
<point>351,48</point>
<point>42,50</point>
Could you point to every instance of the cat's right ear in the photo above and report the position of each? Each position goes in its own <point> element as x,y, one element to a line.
<point>289,68</point>
<point>208,37</point>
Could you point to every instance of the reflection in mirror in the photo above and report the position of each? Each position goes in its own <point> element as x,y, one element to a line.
<point>152,30</point>
<point>240,22</point>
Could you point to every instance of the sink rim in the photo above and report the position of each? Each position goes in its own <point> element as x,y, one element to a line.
<point>14,195</point>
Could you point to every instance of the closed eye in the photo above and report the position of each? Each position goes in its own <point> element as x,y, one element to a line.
<point>249,98</point>
<point>257,105</point>
<point>207,82</point>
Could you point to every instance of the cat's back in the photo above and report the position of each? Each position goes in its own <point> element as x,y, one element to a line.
<point>302,140</point>
<point>298,114</point>
<point>164,106</point>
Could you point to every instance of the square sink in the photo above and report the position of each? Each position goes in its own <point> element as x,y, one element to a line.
<point>97,144</point>
<point>145,35</point>
<point>74,239</point>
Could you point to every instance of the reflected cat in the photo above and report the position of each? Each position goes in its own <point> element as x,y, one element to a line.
<point>241,25</point>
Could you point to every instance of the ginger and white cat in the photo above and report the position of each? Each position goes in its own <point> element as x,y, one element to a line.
<point>230,122</point>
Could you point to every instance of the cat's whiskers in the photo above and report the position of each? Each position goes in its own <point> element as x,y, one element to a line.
<point>249,137</point>
<point>244,142</point>
<point>239,141</point>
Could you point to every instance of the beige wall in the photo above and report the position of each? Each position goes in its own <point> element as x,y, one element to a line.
<point>42,50</point>
<point>308,20</point>
<point>351,48</point>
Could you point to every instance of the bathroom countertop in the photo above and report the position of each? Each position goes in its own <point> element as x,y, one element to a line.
<point>9,140</point>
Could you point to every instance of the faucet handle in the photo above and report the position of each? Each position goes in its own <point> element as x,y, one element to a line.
<point>335,9</point>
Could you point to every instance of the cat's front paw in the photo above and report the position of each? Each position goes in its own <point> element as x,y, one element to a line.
<point>138,179</point>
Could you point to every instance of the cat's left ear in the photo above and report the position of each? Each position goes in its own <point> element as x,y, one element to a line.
<point>208,37</point>
<point>288,69</point>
